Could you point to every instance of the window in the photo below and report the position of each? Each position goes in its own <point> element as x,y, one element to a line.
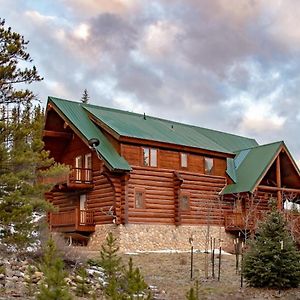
<point>78,167</point>
<point>208,165</point>
<point>183,160</point>
<point>150,157</point>
<point>184,201</point>
<point>88,167</point>
<point>139,201</point>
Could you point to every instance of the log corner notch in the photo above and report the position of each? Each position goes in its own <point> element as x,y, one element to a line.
<point>178,180</point>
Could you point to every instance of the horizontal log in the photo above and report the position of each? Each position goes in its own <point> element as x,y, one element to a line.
<point>57,134</point>
<point>282,189</point>
<point>167,221</point>
<point>149,183</point>
<point>149,177</point>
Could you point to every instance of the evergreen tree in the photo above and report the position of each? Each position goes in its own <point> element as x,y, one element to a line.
<point>21,154</point>
<point>54,286</point>
<point>272,259</point>
<point>133,283</point>
<point>85,96</point>
<point>83,287</point>
<point>111,263</point>
<point>121,283</point>
<point>193,293</point>
<point>12,51</point>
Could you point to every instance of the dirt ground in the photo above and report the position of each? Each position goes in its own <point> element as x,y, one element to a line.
<point>171,272</point>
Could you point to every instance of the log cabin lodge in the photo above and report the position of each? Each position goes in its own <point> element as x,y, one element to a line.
<point>155,183</point>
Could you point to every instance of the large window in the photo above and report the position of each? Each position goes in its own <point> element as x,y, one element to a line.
<point>139,201</point>
<point>150,157</point>
<point>183,160</point>
<point>208,165</point>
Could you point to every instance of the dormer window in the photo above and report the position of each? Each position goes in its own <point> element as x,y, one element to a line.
<point>150,157</point>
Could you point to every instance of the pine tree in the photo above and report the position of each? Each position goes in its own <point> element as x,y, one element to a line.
<point>121,283</point>
<point>272,260</point>
<point>83,287</point>
<point>21,154</point>
<point>85,97</point>
<point>54,286</point>
<point>133,284</point>
<point>193,293</point>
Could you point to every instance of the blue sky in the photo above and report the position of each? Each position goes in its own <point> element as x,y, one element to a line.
<point>232,67</point>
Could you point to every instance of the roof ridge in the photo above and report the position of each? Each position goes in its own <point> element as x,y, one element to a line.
<point>156,118</point>
<point>257,146</point>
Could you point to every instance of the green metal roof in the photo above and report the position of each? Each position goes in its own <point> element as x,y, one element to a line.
<point>149,128</point>
<point>77,116</point>
<point>250,165</point>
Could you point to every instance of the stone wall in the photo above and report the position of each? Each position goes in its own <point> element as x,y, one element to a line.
<point>145,237</point>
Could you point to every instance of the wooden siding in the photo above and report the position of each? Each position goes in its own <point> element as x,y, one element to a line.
<point>170,159</point>
<point>75,148</point>
<point>161,197</point>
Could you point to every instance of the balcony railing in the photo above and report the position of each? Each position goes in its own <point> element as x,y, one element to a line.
<point>75,179</point>
<point>242,221</point>
<point>72,220</point>
<point>80,175</point>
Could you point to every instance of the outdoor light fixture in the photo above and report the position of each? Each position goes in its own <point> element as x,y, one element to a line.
<point>93,142</point>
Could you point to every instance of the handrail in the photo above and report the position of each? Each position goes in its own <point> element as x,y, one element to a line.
<point>75,217</point>
<point>80,175</point>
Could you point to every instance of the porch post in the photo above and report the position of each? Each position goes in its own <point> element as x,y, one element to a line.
<point>278,181</point>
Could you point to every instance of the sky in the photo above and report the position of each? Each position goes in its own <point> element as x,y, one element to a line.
<point>231,65</point>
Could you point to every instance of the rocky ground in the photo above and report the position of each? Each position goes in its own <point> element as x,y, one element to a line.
<point>167,273</point>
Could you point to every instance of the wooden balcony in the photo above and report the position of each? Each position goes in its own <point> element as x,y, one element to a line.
<point>76,179</point>
<point>75,220</point>
<point>240,221</point>
<point>237,221</point>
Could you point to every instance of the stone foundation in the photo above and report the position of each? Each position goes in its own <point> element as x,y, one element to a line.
<point>146,237</point>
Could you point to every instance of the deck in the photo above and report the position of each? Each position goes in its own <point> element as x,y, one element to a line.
<point>75,220</point>
<point>75,179</point>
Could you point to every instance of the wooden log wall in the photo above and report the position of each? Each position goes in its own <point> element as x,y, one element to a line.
<point>162,188</point>
<point>206,205</point>
<point>75,148</point>
<point>170,159</point>
<point>64,201</point>
<point>102,198</point>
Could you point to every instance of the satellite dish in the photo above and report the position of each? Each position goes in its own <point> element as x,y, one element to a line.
<point>93,142</point>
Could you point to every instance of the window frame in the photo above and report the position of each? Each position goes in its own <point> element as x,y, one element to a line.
<point>181,160</point>
<point>142,191</point>
<point>150,151</point>
<point>211,170</point>
<point>186,207</point>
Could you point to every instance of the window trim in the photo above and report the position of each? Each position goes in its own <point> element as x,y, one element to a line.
<point>188,195</point>
<point>181,160</point>
<point>143,192</point>
<point>150,149</point>
<point>211,171</point>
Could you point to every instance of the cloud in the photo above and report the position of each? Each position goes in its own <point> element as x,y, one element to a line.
<point>229,67</point>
